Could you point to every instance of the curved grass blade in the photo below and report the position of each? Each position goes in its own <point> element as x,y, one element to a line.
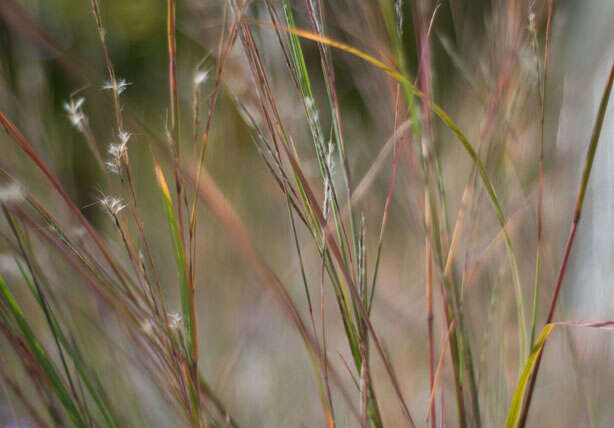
<point>516,406</point>
<point>514,414</point>
<point>450,124</point>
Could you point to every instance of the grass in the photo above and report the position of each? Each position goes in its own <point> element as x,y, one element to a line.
<point>435,229</point>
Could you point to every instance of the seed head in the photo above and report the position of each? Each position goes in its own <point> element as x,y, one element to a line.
<point>112,205</point>
<point>112,166</point>
<point>118,85</point>
<point>174,320</point>
<point>118,152</point>
<point>75,114</point>
<point>124,137</point>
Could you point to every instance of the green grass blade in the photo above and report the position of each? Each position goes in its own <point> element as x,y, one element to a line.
<point>41,356</point>
<point>514,414</point>
<point>186,290</point>
<point>311,113</point>
<point>516,406</point>
<point>110,419</point>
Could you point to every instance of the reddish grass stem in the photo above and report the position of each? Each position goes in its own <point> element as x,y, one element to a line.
<point>588,163</point>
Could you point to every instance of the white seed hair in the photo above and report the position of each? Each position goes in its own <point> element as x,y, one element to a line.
<point>75,114</point>
<point>174,319</point>
<point>112,205</point>
<point>118,151</point>
<point>119,84</point>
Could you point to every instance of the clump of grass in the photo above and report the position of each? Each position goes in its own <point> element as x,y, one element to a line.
<point>321,188</point>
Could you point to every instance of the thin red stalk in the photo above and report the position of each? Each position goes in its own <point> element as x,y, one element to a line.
<point>174,106</point>
<point>425,78</point>
<point>218,81</point>
<point>590,156</point>
<point>109,65</point>
<point>429,321</point>
<point>120,128</point>
<point>397,153</point>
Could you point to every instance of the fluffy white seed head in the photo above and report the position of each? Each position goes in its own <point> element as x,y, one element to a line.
<point>174,320</point>
<point>112,205</point>
<point>74,112</point>
<point>112,166</point>
<point>124,137</point>
<point>118,152</point>
<point>118,85</point>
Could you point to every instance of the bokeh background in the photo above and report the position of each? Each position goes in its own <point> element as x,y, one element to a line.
<point>252,355</point>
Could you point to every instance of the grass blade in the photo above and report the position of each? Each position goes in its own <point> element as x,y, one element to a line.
<point>514,415</point>
<point>186,289</point>
<point>41,356</point>
<point>588,164</point>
